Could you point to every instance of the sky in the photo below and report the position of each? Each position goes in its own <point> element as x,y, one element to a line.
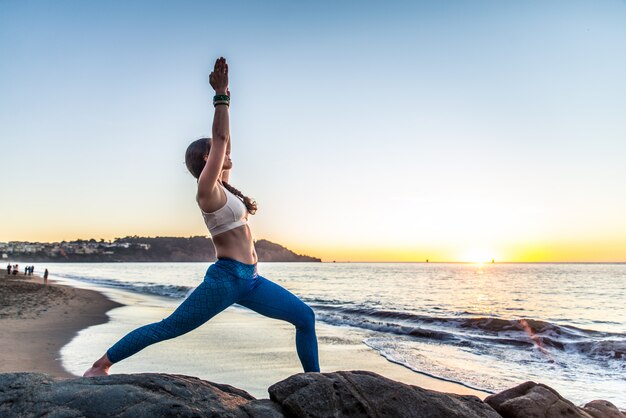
<point>366,131</point>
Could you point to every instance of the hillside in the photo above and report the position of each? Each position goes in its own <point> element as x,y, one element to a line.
<point>139,249</point>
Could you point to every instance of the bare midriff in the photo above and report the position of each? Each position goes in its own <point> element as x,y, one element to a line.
<point>237,244</point>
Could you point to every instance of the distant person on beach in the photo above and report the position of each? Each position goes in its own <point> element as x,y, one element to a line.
<point>233,278</point>
<point>15,269</point>
<point>45,277</point>
<point>8,269</point>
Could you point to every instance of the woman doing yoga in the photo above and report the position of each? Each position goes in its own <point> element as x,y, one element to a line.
<point>233,278</point>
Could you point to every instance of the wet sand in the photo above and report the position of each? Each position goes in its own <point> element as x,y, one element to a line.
<point>37,320</point>
<point>237,347</point>
<point>60,329</point>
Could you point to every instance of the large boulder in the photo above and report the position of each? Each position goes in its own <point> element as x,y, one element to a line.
<point>535,400</point>
<point>367,394</point>
<point>138,395</point>
<point>603,409</point>
<point>337,394</point>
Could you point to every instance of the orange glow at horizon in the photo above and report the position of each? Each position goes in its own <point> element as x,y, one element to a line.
<point>609,250</point>
<point>541,253</point>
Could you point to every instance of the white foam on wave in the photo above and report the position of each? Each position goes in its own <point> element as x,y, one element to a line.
<point>157,289</point>
<point>495,368</point>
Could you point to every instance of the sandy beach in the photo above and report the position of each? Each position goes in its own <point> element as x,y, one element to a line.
<point>37,320</point>
<point>59,329</point>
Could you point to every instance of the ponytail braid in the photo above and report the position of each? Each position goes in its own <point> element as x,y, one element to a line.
<point>250,203</point>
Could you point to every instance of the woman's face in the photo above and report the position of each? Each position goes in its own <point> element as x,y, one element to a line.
<point>228,163</point>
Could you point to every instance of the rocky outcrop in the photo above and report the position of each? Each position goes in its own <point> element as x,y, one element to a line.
<point>138,395</point>
<point>532,399</point>
<point>270,251</point>
<point>337,394</point>
<point>367,394</point>
<point>146,249</point>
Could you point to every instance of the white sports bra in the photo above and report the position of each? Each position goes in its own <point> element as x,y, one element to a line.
<point>233,214</point>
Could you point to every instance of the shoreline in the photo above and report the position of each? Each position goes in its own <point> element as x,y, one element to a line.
<point>40,322</point>
<point>237,347</point>
<point>37,321</point>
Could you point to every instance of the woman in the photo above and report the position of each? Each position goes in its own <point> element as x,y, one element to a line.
<point>233,278</point>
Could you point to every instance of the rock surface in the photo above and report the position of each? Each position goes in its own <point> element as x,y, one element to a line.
<point>338,394</point>
<point>139,395</point>
<point>367,394</point>
<point>532,399</point>
<point>602,409</point>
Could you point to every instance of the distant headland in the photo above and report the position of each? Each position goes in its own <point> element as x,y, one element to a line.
<point>136,249</point>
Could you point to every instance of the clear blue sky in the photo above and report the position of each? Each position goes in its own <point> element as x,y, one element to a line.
<point>365,130</point>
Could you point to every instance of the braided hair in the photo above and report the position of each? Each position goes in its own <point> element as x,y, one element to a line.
<point>194,160</point>
<point>250,203</point>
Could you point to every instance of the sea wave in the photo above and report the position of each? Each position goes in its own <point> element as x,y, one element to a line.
<point>476,331</point>
<point>461,329</point>
<point>171,291</point>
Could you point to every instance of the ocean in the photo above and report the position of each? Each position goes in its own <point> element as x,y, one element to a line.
<point>485,326</point>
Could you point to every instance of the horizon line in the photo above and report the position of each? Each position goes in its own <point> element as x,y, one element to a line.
<point>342,262</point>
<point>424,260</point>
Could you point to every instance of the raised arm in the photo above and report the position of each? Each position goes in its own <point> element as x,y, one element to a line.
<point>207,182</point>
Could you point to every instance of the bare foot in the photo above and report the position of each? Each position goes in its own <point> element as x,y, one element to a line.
<point>99,368</point>
<point>96,371</point>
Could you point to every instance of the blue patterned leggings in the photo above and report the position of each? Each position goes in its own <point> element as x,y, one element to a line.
<point>228,281</point>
